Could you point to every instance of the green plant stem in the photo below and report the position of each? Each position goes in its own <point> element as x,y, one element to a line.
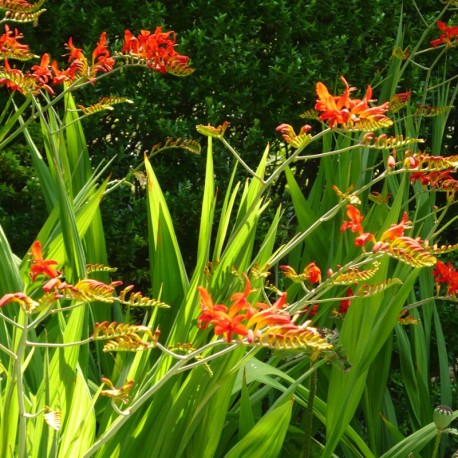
<point>8,351</point>
<point>309,415</point>
<point>241,161</point>
<point>10,321</point>
<point>437,443</point>
<point>425,301</point>
<point>177,368</point>
<point>18,380</point>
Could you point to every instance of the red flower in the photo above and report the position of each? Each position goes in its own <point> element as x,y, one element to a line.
<point>155,49</point>
<point>261,324</point>
<point>362,239</point>
<point>43,73</point>
<point>445,273</point>
<point>10,47</point>
<point>346,111</point>
<point>334,108</point>
<point>397,230</point>
<point>101,59</point>
<point>449,37</point>
<point>345,303</point>
<point>9,83</point>
<point>241,318</point>
<point>311,311</point>
<point>224,320</point>
<point>78,65</point>
<point>40,265</point>
<point>400,98</point>
<point>101,62</point>
<point>311,272</point>
<point>355,220</point>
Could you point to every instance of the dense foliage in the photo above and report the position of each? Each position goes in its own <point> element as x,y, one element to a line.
<point>301,310</point>
<point>257,64</point>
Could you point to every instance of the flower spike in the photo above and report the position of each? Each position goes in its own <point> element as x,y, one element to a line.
<point>350,114</point>
<point>117,394</point>
<point>210,131</point>
<point>258,324</point>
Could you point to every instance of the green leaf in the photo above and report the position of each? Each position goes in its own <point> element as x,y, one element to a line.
<point>267,436</point>
<point>246,418</point>
<point>169,280</point>
<point>415,442</point>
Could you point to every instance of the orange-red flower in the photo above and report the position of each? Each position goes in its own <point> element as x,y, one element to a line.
<point>345,303</point>
<point>362,239</point>
<point>397,230</point>
<point>346,111</point>
<point>311,273</point>
<point>242,318</point>
<point>15,75</point>
<point>40,265</point>
<point>78,63</point>
<point>449,37</point>
<point>43,74</point>
<point>156,49</point>
<point>101,58</point>
<point>260,323</point>
<point>225,322</point>
<point>10,46</point>
<point>445,273</point>
<point>355,220</point>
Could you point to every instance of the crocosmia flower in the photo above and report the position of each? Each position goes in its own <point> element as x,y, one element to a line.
<point>10,46</point>
<point>354,222</point>
<point>445,273</point>
<point>345,303</point>
<point>347,112</point>
<point>311,273</point>
<point>259,324</point>
<point>40,265</point>
<point>156,49</point>
<point>397,230</point>
<point>449,37</point>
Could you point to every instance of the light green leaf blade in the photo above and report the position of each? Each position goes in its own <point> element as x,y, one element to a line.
<point>267,436</point>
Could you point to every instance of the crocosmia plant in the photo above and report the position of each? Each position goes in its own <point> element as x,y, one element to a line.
<point>303,329</point>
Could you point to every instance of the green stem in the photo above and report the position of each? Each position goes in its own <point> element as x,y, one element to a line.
<point>306,451</point>
<point>437,443</point>
<point>18,381</point>
<point>177,368</point>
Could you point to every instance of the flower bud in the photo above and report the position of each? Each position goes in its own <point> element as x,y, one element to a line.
<point>442,417</point>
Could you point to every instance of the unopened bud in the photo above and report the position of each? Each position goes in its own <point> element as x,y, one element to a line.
<point>442,417</point>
